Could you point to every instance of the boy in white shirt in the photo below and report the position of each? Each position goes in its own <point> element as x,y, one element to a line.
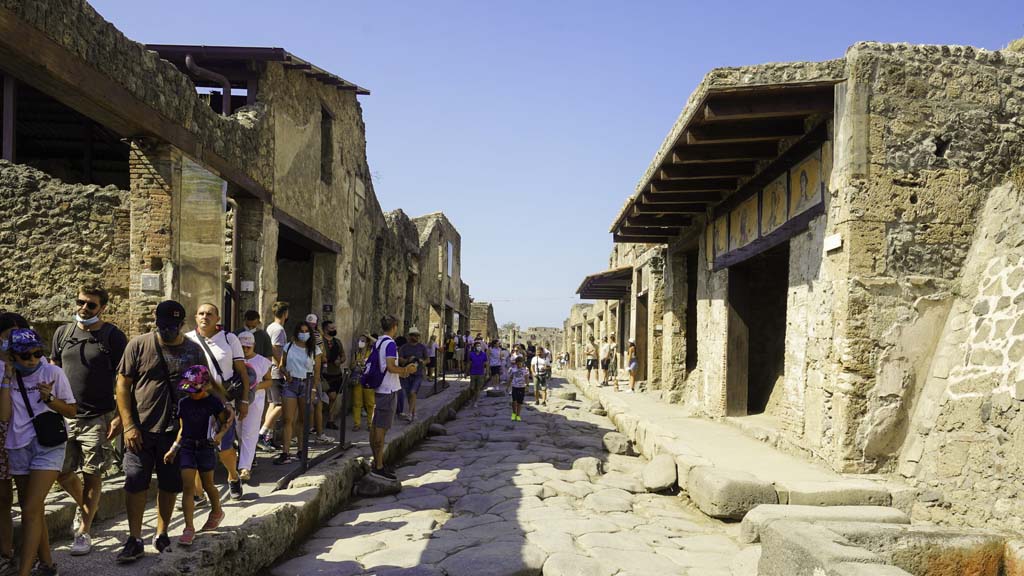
<point>517,376</point>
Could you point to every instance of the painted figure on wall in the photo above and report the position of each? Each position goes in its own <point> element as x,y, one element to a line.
<point>805,184</point>
<point>775,204</point>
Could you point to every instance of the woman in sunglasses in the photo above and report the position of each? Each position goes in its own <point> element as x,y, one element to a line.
<point>35,389</point>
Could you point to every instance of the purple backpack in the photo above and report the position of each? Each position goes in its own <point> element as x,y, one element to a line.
<point>373,376</point>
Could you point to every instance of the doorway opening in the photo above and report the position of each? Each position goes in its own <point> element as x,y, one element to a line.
<point>640,337</point>
<point>757,332</point>
<point>691,311</point>
<point>294,275</point>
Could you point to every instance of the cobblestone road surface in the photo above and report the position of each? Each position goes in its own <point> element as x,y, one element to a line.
<point>496,497</point>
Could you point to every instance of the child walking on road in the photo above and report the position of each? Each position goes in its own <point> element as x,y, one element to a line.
<point>518,376</point>
<point>198,453</point>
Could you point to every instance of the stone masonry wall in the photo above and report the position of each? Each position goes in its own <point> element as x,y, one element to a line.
<point>930,130</point>
<point>41,279</point>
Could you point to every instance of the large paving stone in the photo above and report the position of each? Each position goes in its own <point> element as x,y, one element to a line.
<point>476,504</point>
<point>724,493</point>
<point>839,493</point>
<point>660,473</point>
<point>791,548</point>
<point>497,560</point>
<point>592,466</point>
<point>617,443</point>
<point>761,516</point>
<point>641,561</point>
<point>609,500</point>
<point>568,564</point>
<point>627,482</point>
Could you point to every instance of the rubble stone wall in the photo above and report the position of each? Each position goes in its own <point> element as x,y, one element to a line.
<point>41,278</point>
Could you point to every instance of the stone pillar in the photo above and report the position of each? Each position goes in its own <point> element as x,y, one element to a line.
<point>257,251</point>
<point>155,171</point>
<point>673,321</point>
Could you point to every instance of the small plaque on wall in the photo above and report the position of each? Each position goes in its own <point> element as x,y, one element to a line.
<point>328,307</point>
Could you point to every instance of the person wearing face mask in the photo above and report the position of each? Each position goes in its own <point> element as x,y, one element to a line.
<point>362,398</point>
<point>8,322</point>
<point>477,369</point>
<point>412,352</point>
<point>36,389</point>
<point>89,350</point>
<point>147,401</point>
<point>301,358</point>
<point>260,381</point>
<point>334,361</point>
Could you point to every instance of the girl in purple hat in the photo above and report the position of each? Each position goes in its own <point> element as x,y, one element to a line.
<point>196,449</point>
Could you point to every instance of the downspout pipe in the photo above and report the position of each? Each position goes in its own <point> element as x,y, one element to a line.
<point>212,76</point>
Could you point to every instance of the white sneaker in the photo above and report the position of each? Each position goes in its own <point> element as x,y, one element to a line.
<point>82,545</point>
<point>324,439</point>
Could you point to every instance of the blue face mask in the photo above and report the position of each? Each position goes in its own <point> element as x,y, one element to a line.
<point>86,321</point>
<point>3,345</point>
<point>25,370</point>
<point>303,336</point>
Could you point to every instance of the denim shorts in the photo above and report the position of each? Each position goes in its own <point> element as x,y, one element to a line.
<point>197,455</point>
<point>294,388</point>
<point>35,457</point>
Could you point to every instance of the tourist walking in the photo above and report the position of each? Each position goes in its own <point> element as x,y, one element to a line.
<point>362,397</point>
<point>591,353</point>
<point>258,367</point>
<point>631,362</point>
<point>518,376</point>
<point>88,350</point>
<point>147,401</point>
<point>385,355</point>
<point>38,395</point>
<point>477,370</point>
<point>301,358</point>
<point>432,356</point>
<point>193,448</point>
<point>226,361</point>
<point>333,374</point>
<point>460,351</point>
<point>275,399</point>
<point>494,362</point>
<point>412,353</point>
<point>264,347</point>
<point>8,322</point>
<point>605,357</point>
<point>540,369</point>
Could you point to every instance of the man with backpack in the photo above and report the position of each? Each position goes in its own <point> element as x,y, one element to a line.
<point>89,351</point>
<point>383,374</point>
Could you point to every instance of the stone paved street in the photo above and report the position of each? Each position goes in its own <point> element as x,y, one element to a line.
<point>541,496</point>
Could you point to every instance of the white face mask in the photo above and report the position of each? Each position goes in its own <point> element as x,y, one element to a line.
<point>362,344</point>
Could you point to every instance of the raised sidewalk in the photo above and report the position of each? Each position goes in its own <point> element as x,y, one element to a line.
<point>257,530</point>
<point>726,472</point>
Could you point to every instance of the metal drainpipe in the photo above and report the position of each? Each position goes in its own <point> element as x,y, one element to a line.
<point>234,260</point>
<point>212,76</point>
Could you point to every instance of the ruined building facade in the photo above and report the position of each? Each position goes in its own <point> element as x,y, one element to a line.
<point>836,249</point>
<point>117,172</point>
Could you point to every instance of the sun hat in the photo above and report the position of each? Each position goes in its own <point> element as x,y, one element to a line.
<point>194,378</point>
<point>24,339</point>
<point>414,330</point>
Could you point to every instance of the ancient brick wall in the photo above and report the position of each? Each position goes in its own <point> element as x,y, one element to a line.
<point>41,276</point>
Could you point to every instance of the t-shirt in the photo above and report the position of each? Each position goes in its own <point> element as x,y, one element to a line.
<point>278,337</point>
<point>477,362</point>
<point>590,350</point>
<point>20,432</point>
<point>388,349</point>
<point>90,360</point>
<point>225,348</point>
<point>539,365</point>
<point>606,349</point>
<point>432,350</point>
<point>518,376</point>
<point>262,346</point>
<point>299,363</point>
<point>494,356</point>
<point>418,350</point>
<point>155,391</point>
<point>260,365</point>
<point>195,416</point>
<point>335,356</point>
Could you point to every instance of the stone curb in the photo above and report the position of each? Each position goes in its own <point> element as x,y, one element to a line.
<point>282,520</point>
<point>714,483</point>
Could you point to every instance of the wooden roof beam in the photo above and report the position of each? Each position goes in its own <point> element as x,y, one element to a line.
<point>718,152</point>
<point>648,230</point>
<point>681,197</point>
<point>735,107</point>
<point>626,239</point>
<point>708,170</point>
<point>715,185</point>
<point>659,221</point>
<point>756,130</point>
<point>669,209</point>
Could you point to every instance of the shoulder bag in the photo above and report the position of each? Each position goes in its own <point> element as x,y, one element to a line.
<point>49,425</point>
<point>233,386</point>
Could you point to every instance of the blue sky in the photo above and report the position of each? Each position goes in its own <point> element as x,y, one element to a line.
<point>529,122</point>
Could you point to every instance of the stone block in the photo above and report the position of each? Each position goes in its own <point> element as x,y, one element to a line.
<point>617,443</point>
<point>564,395</point>
<point>371,486</point>
<point>685,463</point>
<point>592,466</point>
<point>763,515</point>
<point>660,473</point>
<point>838,493</point>
<point>437,430</point>
<point>724,493</point>
<point>792,548</point>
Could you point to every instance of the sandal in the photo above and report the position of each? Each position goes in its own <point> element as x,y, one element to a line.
<point>213,521</point>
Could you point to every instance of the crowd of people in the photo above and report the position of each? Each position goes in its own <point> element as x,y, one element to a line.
<point>175,404</point>
<point>601,361</point>
<point>178,404</point>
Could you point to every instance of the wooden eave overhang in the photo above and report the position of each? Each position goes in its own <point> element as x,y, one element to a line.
<point>608,285</point>
<point>734,137</point>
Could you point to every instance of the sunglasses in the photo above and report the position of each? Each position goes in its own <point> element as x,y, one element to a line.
<point>87,304</point>
<point>26,356</point>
